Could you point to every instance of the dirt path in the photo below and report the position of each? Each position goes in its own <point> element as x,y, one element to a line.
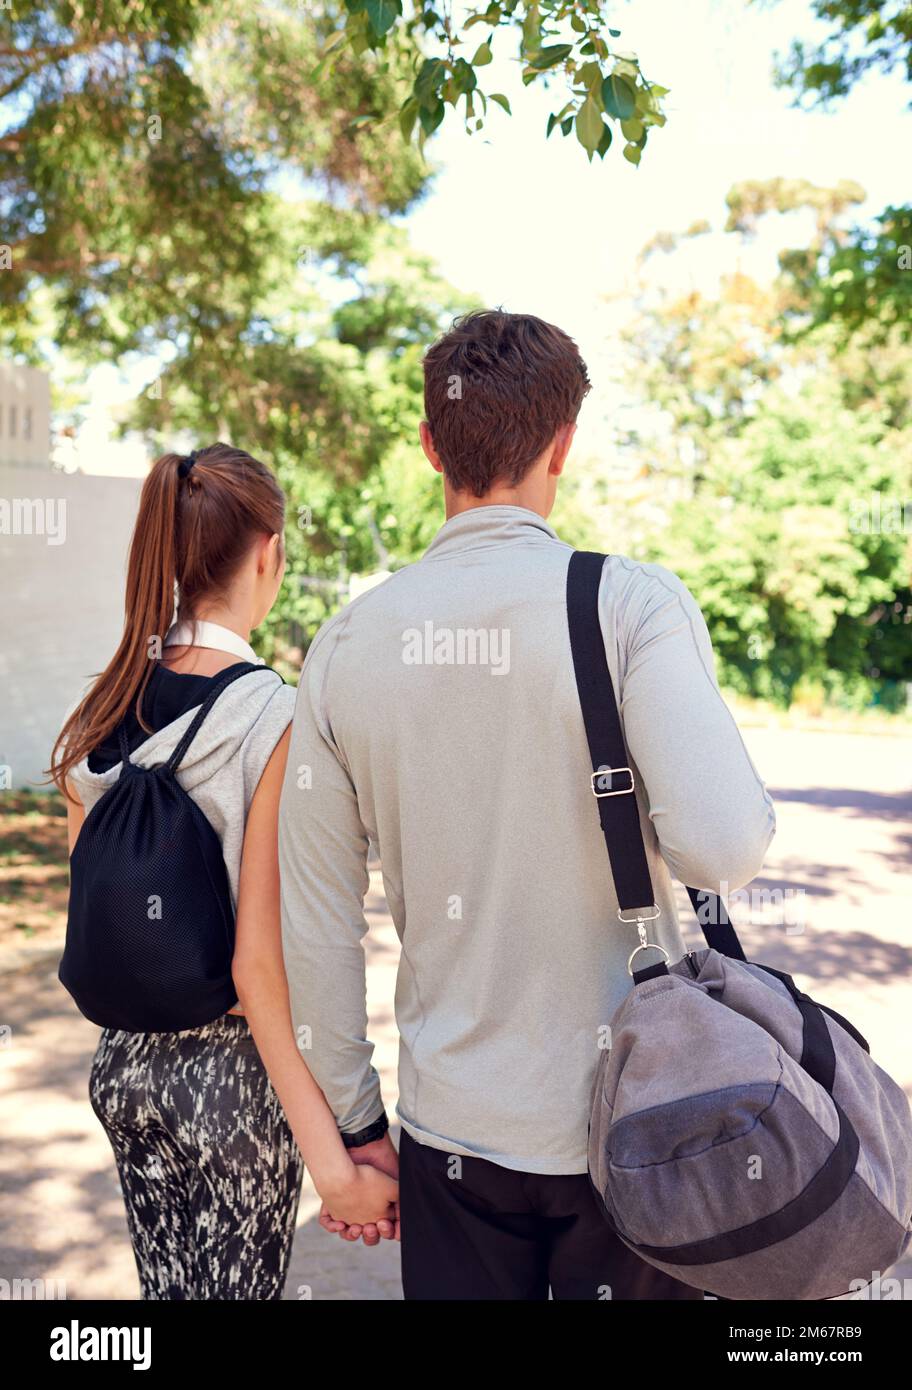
<point>844,838</point>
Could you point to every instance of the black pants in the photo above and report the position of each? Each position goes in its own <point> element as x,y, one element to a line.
<point>474,1230</point>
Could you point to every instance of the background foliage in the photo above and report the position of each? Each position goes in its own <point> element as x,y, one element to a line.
<point>216,188</point>
<point>768,437</point>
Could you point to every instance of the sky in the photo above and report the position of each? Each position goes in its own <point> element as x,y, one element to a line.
<point>535,227</point>
<point>532,226</point>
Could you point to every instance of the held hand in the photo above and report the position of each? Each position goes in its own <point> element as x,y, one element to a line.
<point>380,1154</point>
<point>377,1168</point>
<point>366,1198</point>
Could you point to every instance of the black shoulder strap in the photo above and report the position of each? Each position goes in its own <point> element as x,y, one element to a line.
<point>194,727</point>
<point>612,781</point>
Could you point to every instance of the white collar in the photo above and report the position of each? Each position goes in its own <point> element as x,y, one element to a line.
<point>220,639</point>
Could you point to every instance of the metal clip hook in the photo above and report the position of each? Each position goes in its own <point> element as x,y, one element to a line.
<point>645,944</point>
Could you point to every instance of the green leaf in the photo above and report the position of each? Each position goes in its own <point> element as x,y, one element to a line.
<point>550,57</point>
<point>501,101</point>
<point>383,15</point>
<point>590,76</point>
<point>531,37</point>
<point>407,118</point>
<point>630,71</point>
<point>333,42</point>
<point>483,56</point>
<point>632,153</point>
<point>604,144</point>
<point>567,126</point>
<point>589,126</point>
<point>464,76</point>
<point>430,118</point>
<point>358,30</point>
<point>432,76</point>
<point>618,97</point>
<point>633,129</point>
<point>491,16</point>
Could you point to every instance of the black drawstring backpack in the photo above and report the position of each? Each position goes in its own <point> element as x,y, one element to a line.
<point>150,930</point>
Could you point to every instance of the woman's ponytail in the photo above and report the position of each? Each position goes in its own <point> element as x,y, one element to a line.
<point>193,528</point>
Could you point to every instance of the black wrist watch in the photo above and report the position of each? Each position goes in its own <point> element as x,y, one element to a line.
<point>368,1135</point>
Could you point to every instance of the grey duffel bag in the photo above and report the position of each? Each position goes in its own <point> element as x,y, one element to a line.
<point>742,1139</point>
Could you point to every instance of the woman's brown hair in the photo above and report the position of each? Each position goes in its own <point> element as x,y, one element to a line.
<point>192,532</point>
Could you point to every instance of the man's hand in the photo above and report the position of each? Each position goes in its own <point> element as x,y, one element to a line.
<point>381,1155</point>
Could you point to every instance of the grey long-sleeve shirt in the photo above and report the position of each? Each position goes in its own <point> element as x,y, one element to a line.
<point>437,715</point>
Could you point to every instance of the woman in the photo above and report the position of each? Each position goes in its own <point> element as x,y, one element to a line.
<point>209,1167</point>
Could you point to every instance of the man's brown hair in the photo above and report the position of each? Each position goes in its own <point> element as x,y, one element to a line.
<point>497,388</point>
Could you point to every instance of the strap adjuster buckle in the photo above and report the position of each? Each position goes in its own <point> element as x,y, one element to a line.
<point>606,774</point>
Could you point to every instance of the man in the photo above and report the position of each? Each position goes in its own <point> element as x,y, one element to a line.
<point>438,717</point>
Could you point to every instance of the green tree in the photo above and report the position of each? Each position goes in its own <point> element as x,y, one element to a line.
<point>765,456</point>
<point>865,281</point>
<point>140,151</point>
<point>140,139</point>
<point>176,189</point>
<point>864,36</point>
<point>329,389</point>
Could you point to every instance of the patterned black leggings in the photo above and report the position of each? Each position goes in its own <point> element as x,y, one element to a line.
<point>210,1172</point>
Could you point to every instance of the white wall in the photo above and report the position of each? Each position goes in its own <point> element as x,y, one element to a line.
<point>25,416</point>
<point>61,604</point>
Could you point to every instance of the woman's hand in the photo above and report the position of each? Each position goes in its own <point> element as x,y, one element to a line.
<point>367,1197</point>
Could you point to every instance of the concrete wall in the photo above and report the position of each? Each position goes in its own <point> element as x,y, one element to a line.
<point>63,552</point>
<point>25,417</point>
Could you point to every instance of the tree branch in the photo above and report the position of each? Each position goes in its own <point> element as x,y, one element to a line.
<point>54,52</point>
